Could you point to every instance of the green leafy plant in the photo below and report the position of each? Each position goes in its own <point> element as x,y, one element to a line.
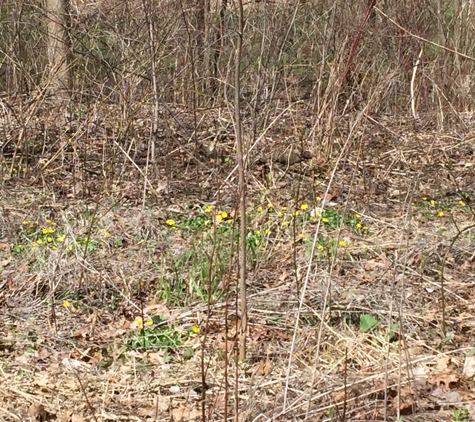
<point>150,335</point>
<point>331,218</point>
<point>36,235</point>
<point>356,223</point>
<point>368,322</point>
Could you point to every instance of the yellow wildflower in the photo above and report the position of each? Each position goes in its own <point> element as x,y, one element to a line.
<point>39,241</point>
<point>303,207</point>
<point>106,233</point>
<point>440,213</point>
<point>320,247</point>
<point>208,208</point>
<point>259,209</point>
<point>66,304</point>
<point>325,220</point>
<point>61,238</point>
<point>432,201</point>
<point>49,239</point>
<point>461,203</point>
<point>170,222</point>
<point>195,329</point>
<point>342,242</point>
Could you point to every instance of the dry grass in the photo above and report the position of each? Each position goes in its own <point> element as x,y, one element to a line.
<point>391,273</point>
<point>121,212</point>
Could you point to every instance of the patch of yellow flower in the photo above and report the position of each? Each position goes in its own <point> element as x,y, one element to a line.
<point>139,323</point>
<point>221,215</point>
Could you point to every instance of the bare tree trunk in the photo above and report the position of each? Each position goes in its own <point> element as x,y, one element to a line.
<point>60,78</point>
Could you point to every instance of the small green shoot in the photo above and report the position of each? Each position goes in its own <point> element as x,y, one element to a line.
<point>460,415</point>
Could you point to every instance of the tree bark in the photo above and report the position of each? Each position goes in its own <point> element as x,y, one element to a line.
<point>59,52</point>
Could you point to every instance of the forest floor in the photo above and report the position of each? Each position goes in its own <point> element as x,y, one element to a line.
<point>118,294</point>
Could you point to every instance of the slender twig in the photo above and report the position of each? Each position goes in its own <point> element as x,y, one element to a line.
<point>242,184</point>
